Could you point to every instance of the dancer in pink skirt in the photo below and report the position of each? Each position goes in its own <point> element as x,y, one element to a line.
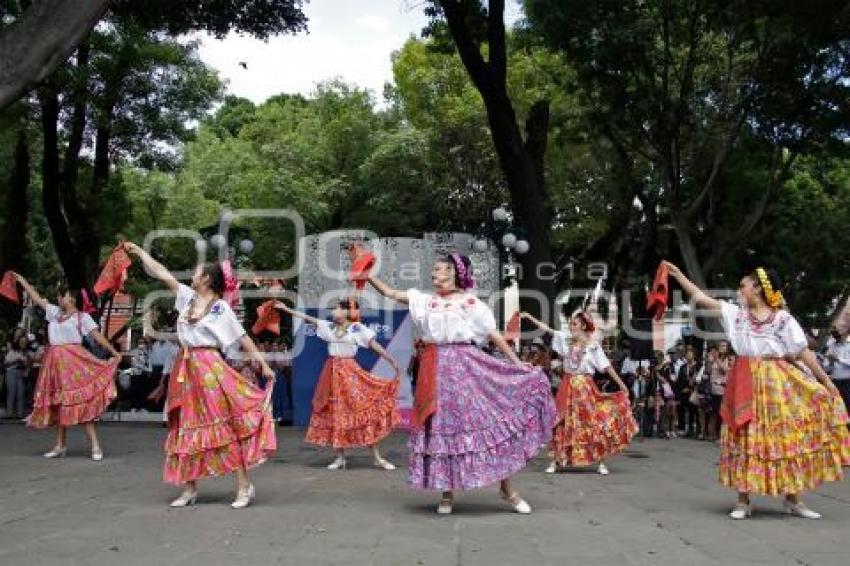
<point>478,420</point>
<point>74,387</point>
<point>218,421</point>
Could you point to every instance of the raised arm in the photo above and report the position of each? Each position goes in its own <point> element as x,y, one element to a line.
<point>152,266</point>
<point>31,292</point>
<point>292,312</point>
<point>699,296</point>
<point>387,291</point>
<point>539,323</point>
<point>383,353</point>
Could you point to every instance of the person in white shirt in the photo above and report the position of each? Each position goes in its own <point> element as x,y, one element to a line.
<point>478,420</point>
<point>74,387</point>
<point>592,425</point>
<point>783,433</point>
<point>351,407</point>
<point>839,355</point>
<point>219,422</point>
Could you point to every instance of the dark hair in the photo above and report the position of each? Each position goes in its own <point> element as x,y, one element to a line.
<point>772,276</point>
<point>466,263</point>
<point>15,344</point>
<point>76,294</point>
<point>216,275</point>
<point>345,304</point>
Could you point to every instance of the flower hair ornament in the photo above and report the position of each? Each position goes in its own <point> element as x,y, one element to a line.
<point>231,284</point>
<point>774,297</point>
<point>586,320</point>
<point>88,306</point>
<point>467,281</point>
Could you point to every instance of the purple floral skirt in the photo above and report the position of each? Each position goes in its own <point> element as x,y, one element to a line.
<point>492,418</point>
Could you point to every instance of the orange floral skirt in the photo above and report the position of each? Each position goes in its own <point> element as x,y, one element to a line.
<point>218,421</point>
<point>592,425</point>
<point>73,387</point>
<point>356,408</point>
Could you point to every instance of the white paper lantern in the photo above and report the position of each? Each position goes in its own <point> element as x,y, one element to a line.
<point>218,241</point>
<point>479,246</point>
<point>522,246</point>
<point>500,214</point>
<point>200,246</point>
<point>509,240</point>
<point>246,246</point>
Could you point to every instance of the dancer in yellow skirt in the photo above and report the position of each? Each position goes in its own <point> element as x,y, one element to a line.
<point>592,425</point>
<point>783,432</point>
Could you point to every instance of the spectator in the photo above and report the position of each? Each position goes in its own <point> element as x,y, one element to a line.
<point>17,365</point>
<point>690,375</point>
<point>839,355</point>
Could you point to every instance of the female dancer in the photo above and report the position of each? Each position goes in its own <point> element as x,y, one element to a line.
<point>218,421</point>
<point>351,407</point>
<point>477,419</point>
<point>73,387</point>
<point>591,424</point>
<point>783,433</point>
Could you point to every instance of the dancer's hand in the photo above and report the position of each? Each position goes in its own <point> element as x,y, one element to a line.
<point>672,269</point>
<point>18,277</point>
<point>268,373</point>
<point>131,248</point>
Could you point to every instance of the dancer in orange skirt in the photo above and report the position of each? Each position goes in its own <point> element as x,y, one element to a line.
<point>592,425</point>
<point>74,387</point>
<point>783,432</point>
<point>218,421</point>
<point>351,407</point>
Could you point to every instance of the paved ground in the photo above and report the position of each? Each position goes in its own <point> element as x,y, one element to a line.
<point>661,505</point>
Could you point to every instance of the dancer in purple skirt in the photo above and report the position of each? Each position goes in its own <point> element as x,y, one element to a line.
<point>477,419</point>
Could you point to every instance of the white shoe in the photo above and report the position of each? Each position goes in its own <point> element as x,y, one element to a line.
<point>799,510</point>
<point>445,506</point>
<point>56,452</point>
<point>97,455</point>
<point>553,467</point>
<point>244,497</point>
<point>384,464</point>
<point>741,511</point>
<point>186,498</point>
<point>519,504</point>
<point>338,464</point>
<point>603,469</point>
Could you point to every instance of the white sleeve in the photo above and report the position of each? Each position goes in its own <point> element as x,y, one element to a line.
<point>598,358</point>
<point>792,336</point>
<point>87,324</point>
<point>325,331</point>
<point>417,302</point>
<point>362,334</point>
<point>559,342</point>
<point>728,315</point>
<point>483,321</point>
<point>225,326</point>
<point>51,312</point>
<point>183,298</point>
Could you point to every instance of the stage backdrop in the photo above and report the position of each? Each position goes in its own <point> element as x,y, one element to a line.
<point>404,263</point>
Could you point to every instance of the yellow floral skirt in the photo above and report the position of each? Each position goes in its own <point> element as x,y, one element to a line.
<point>797,440</point>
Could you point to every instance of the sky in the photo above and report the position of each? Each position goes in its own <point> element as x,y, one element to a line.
<point>350,39</point>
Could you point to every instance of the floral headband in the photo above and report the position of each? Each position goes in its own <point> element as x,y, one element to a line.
<point>231,284</point>
<point>467,281</point>
<point>774,298</point>
<point>586,320</point>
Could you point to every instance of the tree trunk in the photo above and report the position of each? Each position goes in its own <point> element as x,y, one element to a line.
<point>47,33</point>
<point>14,245</point>
<point>67,252</point>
